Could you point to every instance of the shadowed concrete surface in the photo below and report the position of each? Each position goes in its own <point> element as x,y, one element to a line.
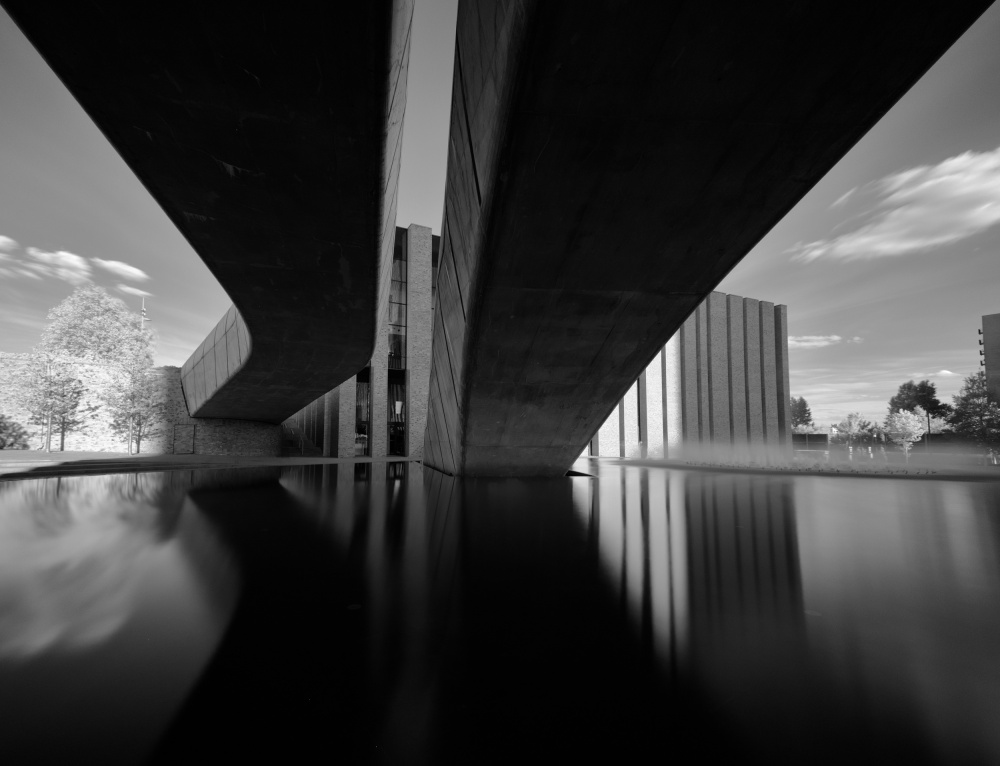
<point>608,165</point>
<point>271,137</point>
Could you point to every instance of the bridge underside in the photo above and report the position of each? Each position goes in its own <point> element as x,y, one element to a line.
<point>608,164</point>
<point>270,135</point>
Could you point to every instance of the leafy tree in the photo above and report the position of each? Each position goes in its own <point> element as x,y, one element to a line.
<point>923,395</point>
<point>853,429</point>
<point>12,434</point>
<point>904,428</point>
<point>90,325</point>
<point>976,414</point>
<point>135,403</point>
<point>52,394</point>
<point>801,414</point>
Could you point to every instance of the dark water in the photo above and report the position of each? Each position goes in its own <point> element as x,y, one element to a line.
<point>387,614</point>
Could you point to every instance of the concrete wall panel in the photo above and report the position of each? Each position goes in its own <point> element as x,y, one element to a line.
<point>751,357</point>
<point>348,417</point>
<point>631,421</point>
<point>673,421</point>
<point>737,371</point>
<point>419,332</point>
<point>688,357</point>
<point>654,407</point>
<point>769,377</point>
<point>608,435</point>
<point>783,404</point>
<point>717,335</point>
<point>703,374</point>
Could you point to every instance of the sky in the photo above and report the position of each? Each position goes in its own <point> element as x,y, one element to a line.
<point>886,266</point>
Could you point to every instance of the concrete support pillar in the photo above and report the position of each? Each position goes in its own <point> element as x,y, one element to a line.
<point>378,428</point>
<point>673,401</point>
<point>654,406</point>
<point>752,357</point>
<point>630,422</point>
<point>769,382</point>
<point>607,436</point>
<point>704,392</point>
<point>348,417</point>
<point>331,423</point>
<point>717,334</point>
<point>781,377</point>
<point>643,412</point>
<point>690,406</point>
<point>737,372</point>
<point>419,333</point>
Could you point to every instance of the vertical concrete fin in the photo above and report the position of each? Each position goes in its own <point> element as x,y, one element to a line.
<point>781,368</point>
<point>769,381</point>
<point>737,371</point>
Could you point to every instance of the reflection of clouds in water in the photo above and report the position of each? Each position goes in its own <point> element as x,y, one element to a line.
<point>70,552</point>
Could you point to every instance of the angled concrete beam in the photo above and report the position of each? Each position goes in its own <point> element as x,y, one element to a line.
<point>270,134</point>
<point>608,164</point>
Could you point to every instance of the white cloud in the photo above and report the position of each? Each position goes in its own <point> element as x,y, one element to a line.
<point>813,341</point>
<point>920,208</point>
<point>819,341</point>
<point>133,291</point>
<point>843,198</point>
<point>7,244</point>
<point>938,374</point>
<point>122,270</point>
<point>28,273</point>
<point>61,265</point>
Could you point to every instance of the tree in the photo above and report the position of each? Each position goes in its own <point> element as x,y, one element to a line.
<point>801,414</point>
<point>52,394</point>
<point>852,429</point>
<point>12,434</point>
<point>904,428</point>
<point>92,326</point>
<point>923,395</point>
<point>976,414</point>
<point>135,403</point>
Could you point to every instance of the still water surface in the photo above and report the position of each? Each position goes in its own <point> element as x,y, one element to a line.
<point>386,613</point>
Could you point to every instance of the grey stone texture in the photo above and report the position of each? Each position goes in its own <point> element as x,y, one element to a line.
<point>752,360</point>
<point>991,353</point>
<point>768,376</point>
<point>346,438</point>
<point>419,318</point>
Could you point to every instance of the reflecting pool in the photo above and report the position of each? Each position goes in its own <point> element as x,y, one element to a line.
<point>384,613</point>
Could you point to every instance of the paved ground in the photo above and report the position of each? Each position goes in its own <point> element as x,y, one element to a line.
<point>33,464</point>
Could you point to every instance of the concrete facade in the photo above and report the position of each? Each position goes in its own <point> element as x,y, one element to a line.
<point>274,145</point>
<point>608,165</point>
<point>337,409</point>
<point>991,353</point>
<point>717,378</point>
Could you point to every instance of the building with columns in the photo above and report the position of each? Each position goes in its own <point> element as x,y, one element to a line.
<point>382,410</point>
<point>990,352</point>
<point>721,380</point>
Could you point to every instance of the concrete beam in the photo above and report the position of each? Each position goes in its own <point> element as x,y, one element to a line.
<point>608,164</point>
<point>270,135</point>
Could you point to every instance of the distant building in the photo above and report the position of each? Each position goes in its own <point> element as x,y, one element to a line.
<point>991,353</point>
<point>725,373</point>
<point>720,381</point>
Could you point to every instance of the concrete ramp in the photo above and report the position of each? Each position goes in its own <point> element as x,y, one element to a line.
<point>608,164</point>
<point>270,133</point>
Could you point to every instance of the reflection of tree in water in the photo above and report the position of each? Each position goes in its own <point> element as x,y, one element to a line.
<point>70,550</point>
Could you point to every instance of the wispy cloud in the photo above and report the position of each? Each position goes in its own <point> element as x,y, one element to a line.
<point>6,245</point>
<point>122,270</point>
<point>843,197</point>
<point>69,267</point>
<point>133,291</point>
<point>938,374</point>
<point>819,341</point>
<point>916,209</point>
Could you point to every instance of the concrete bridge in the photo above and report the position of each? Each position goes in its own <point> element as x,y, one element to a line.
<point>609,163</point>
